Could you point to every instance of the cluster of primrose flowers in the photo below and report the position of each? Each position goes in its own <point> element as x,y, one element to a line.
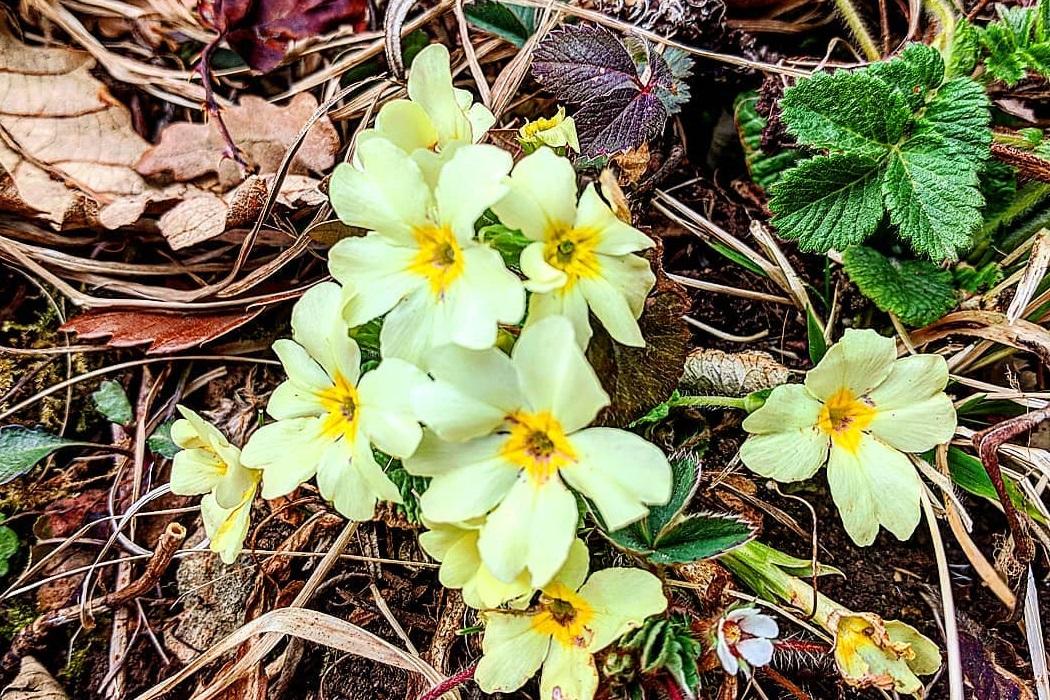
<point>505,439</point>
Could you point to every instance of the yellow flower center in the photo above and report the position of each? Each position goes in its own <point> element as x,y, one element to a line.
<point>564,615</point>
<point>542,124</point>
<point>537,444</point>
<point>573,252</point>
<point>844,417</point>
<point>341,406</point>
<point>439,260</point>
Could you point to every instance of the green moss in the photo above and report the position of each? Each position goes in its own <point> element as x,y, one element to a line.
<point>14,616</point>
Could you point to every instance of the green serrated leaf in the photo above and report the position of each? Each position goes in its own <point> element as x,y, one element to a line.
<point>829,202</point>
<point>1002,60</point>
<point>111,401</point>
<point>702,536</point>
<point>160,442</point>
<point>513,23</point>
<point>631,538</point>
<point>962,54</point>
<point>932,196</point>
<point>685,477</point>
<point>842,111</point>
<point>21,448</point>
<point>960,112</point>
<point>917,70</point>
<point>508,242</point>
<point>765,168</point>
<point>976,280</point>
<point>817,344</point>
<point>917,291</point>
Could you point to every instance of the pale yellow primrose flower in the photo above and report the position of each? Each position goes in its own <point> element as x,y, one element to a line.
<point>455,545</point>
<point>329,416</point>
<point>558,131</point>
<point>580,257</point>
<point>509,436</point>
<point>436,118</point>
<point>421,262</point>
<point>564,631</point>
<point>891,655</point>
<point>859,411</point>
<point>209,464</point>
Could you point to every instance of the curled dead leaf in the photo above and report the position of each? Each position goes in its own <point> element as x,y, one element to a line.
<point>710,371</point>
<point>68,144</point>
<point>163,332</point>
<point>989,325</point>
<point>33,682</point>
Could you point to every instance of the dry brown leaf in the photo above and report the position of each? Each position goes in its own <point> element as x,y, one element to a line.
<point>33,682</point>
<point>67,145</point>
<point>164,332</point>
<point>263,132</point>
<point>710,371</point>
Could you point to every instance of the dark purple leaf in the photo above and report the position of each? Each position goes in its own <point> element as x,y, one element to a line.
<point>619,122</point>
<point>580,63</point>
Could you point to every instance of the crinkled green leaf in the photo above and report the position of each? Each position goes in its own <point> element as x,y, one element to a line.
<point>962,54</point>
<point>111,401</point>
<point>765,168</point>
<point>960,112</point>
<point>21,448</point>
<point>917,70</point>
<point>917,291</point>
<point>160,442</point>
<point>842,111</point>
<point>685,476</point>
<point>829,201</point>
<point>669,645</point>
<point>701,536</point>
<point>9,544</point>
<point>932,196</point>
<point>511,22</point>
<point>976,280</point>
<point>816,343</point>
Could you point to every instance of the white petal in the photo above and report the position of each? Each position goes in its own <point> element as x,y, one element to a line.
<point>533,528</point>
<point>387,194</point>
<point>617,237</point>
<point>568,303</point>
<point>788,406</point>
<point>911,380</point>
<point>343,485</point>
<point>436,456</point>
<point>413,328</point>
<point>610,306</point>
<point>759,625</point>
<point>621,599</point>
<point>542,276</point>
<point>430,85</point>
<point>481,120</point>
<point>513,652</point>
<point>287,451</point>
<point>234,484</point>
<point>318,325</point>
<point>470,183</point>
<point>757,651</point>
<point>729,663</point>
<point>542,196</point>
<point>289,400</point>
<point>916,427</point>
<point>469,491</point>
<point>569,673</point>
<point>406,124</point>
<point>195,471</point>
<point>387,417</point>
<point>555,375</point>
<point>487,294</point>
<point>300,367</point>
<point>374,272</point>
<point>793,455</point>
<point>859,362</point>
<point>227,528</point>
<point>620,472</point>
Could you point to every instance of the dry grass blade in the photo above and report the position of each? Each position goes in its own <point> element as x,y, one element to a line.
<point>1033,276</point>
<point>1033,624</point>
<point>951,628</point>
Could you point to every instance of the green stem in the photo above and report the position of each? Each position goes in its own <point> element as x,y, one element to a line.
<point>945,17</point>
<point>701,401</point>
<point>856,26</point>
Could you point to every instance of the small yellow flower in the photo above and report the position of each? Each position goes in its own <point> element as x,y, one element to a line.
<point>859,411</point>
<point>889,655</point>
<point>209,464</point>
<point>564,630</point>
<point>455,545</point>
<point>510,439</point>
<point>581,258</point>
<point>558,132</point>
<point>421,262</point>
<point>329,416</point>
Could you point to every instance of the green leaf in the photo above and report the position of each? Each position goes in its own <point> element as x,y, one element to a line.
<point>960,112</point>
<point>160,442</point>
<point>738,258</point>
<point>917,70</point>
<point>829,202</point>
<point>962,54</point>
<point>515,24</point>
<point>765,168</point>
<point>367,338</point>
<point>841,111</point>
<point>932,196</point>
<point>817,344</point>
<point>685,477</point>
<point>968,472</point>
<point>508,242</point>
<point>632,538</point>
<point>21,448</point>
<point>111,401</point>
<point>9,544</point>
<point>1002,60</point>
<point>667,644</point>
<point>917,291</point>
<point>658,412</point>
<point>701,536</point>
<point>976,280</point>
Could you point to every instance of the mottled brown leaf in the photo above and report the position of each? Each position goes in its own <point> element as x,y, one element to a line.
<point>164,332</point>
<point>262,131</point>
<point>72,146</point>
<point>33,682</point>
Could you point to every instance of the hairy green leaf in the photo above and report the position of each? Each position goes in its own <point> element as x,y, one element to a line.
<point>917,291</point>
<point>962,54</point>
<point>701,536</point>
<point>111,401</point>
<point>21,448</point>
<point>917,70</point>
<point>960,113</point>
<point>669,645</point>
<point>843,111</point>
<point>765,168</point>
<point>829,201</point>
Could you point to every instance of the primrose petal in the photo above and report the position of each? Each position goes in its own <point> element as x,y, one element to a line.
<point>858,363</point>
<point>513,651</point>
<point>568,672</point>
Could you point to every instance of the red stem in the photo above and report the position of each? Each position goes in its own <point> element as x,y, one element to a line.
<point>673,691</point>
<point>450,683</point>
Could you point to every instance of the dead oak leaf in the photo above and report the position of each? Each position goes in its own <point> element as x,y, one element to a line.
<point>164,332</point>
<point>66,144</point>
<point>263,131</point>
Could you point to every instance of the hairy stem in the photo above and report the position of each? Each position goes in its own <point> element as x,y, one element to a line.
<point>945,16</point>
<point>855,23</point>
<point>704,401</point>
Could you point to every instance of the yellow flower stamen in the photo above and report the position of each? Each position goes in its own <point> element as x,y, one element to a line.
<point>538,445</point>
<point>564,615</point>
<point>573,252</point>
<point>341,406</point>
<point>844,417</point>
<point>439,260</point>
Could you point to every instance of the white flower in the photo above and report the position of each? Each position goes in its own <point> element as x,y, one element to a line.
<point>421,263</point>
<point>510,437</point>
<point>581,256</point>
<point>329,416</point>
<point>743,639</point>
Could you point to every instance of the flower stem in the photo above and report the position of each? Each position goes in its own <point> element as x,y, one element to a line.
<point>449,683</point>
<point>702,401</point>
<point>856,26</point>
